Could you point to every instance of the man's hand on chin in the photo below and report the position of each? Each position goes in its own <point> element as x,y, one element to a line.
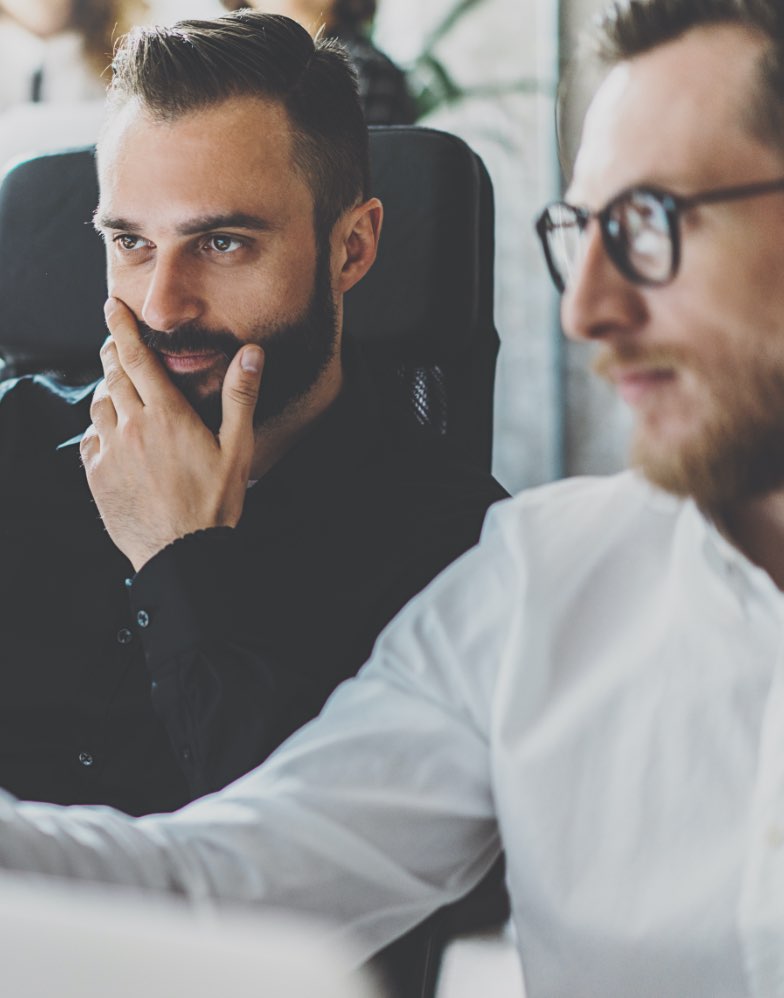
<point>155,471</point>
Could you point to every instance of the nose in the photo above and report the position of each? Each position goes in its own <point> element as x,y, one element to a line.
<point>172,296</point>
<point>599,301</point>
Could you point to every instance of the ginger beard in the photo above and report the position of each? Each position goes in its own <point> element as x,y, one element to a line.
<point>735,450</point>
<point>296,354</point>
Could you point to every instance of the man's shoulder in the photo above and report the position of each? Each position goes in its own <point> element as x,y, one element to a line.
<point>598,493</point>
<point>588,516</point>
<point>411,498</point>
<point>431,471</point>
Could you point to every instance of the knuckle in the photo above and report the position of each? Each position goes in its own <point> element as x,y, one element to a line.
<point>99,396</point>
<point>89,437</point>
<point>134,357</point>
<point>95,406</point>
<point>243,394</point>
<point>113,377</point>
<point>88,446</point>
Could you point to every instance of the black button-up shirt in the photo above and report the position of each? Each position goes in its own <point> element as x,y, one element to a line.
<point>145,691</point>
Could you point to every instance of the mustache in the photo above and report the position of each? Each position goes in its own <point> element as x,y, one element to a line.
<point>610,357</point>
<point>190,338</point>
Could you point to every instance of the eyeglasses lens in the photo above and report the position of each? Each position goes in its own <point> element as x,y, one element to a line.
<point>563,231</point>
<point>638,230</point>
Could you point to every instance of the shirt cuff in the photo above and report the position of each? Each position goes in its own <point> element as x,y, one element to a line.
<point>180,596</point>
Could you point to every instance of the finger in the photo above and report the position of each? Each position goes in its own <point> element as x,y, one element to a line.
<point>116,382</point>
<point>102,410</point>
<point>89,446</point>
<point>238,398</point>
<point>140,364</point>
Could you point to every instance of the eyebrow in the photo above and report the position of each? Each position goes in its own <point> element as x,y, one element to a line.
<point>202,223</point>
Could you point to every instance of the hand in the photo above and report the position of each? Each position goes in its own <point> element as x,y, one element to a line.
<point>155,470</point>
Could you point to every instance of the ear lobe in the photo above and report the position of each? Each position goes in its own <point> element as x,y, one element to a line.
<point>360,233</point>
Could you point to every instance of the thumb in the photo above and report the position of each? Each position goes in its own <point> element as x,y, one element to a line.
<point>239,395</point>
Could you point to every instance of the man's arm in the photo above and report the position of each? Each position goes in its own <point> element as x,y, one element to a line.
<point>373,815</point>
<point>224,680</point>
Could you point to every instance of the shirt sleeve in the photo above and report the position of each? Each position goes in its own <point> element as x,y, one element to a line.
<point>226,697</point>
<point>375,814</point>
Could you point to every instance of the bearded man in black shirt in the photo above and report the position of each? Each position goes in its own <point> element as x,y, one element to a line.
<point>185,581</point>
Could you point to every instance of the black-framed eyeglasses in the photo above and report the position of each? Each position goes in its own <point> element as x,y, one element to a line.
<point>640,230</point>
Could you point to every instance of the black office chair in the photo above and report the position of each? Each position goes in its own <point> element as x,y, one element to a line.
<point>424,313</point>
<point>423,317</point>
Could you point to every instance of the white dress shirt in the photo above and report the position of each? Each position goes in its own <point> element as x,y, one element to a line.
<point>598,685</point>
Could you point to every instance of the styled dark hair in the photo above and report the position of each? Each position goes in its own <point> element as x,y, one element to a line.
<point>631,27</point>
<point>191,65</point>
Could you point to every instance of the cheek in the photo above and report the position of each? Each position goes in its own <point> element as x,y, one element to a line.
<point>277,288</point>
<point>246,303</point>
<point>112,282</point>
<point>737,283</point>
<point>127,285</point>
<point>699,318</point>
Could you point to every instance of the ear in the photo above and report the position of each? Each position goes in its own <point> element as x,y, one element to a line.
<point>355,243</point>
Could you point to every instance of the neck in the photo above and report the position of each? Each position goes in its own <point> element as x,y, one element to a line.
<point>757,528</point>
<point>274,440</point>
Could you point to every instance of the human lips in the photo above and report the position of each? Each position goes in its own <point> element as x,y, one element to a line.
<point>190,362</point>
<point>637,384</point>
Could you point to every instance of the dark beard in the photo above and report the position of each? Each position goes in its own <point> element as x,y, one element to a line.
<point>296,354</point>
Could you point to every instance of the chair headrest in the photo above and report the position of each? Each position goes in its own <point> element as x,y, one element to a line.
<point>429,294</point>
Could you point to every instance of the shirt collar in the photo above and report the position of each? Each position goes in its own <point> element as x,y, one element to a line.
<point>730,565</point>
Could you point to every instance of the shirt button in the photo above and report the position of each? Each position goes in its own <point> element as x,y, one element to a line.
<point>124,636</point>
<point>85,759</point>
<point>142,618</point>
<point>186,754</point>
<point>128,583</point>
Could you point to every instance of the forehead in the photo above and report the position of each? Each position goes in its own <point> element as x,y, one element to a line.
<point>675,116</point>
<point>233,156</point>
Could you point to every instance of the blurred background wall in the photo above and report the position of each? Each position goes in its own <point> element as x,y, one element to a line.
<point>596,425</point>
<point>483,69</point>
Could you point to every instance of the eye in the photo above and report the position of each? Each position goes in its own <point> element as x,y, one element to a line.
<point>223,244</point>
<point>128,243</point>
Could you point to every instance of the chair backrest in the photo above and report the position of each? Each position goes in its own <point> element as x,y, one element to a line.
<point>423,315</point>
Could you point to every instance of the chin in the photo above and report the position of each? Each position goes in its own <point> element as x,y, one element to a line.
<point>672,461</point>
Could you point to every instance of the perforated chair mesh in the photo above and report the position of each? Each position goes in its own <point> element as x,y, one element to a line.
<point>427,396</point>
